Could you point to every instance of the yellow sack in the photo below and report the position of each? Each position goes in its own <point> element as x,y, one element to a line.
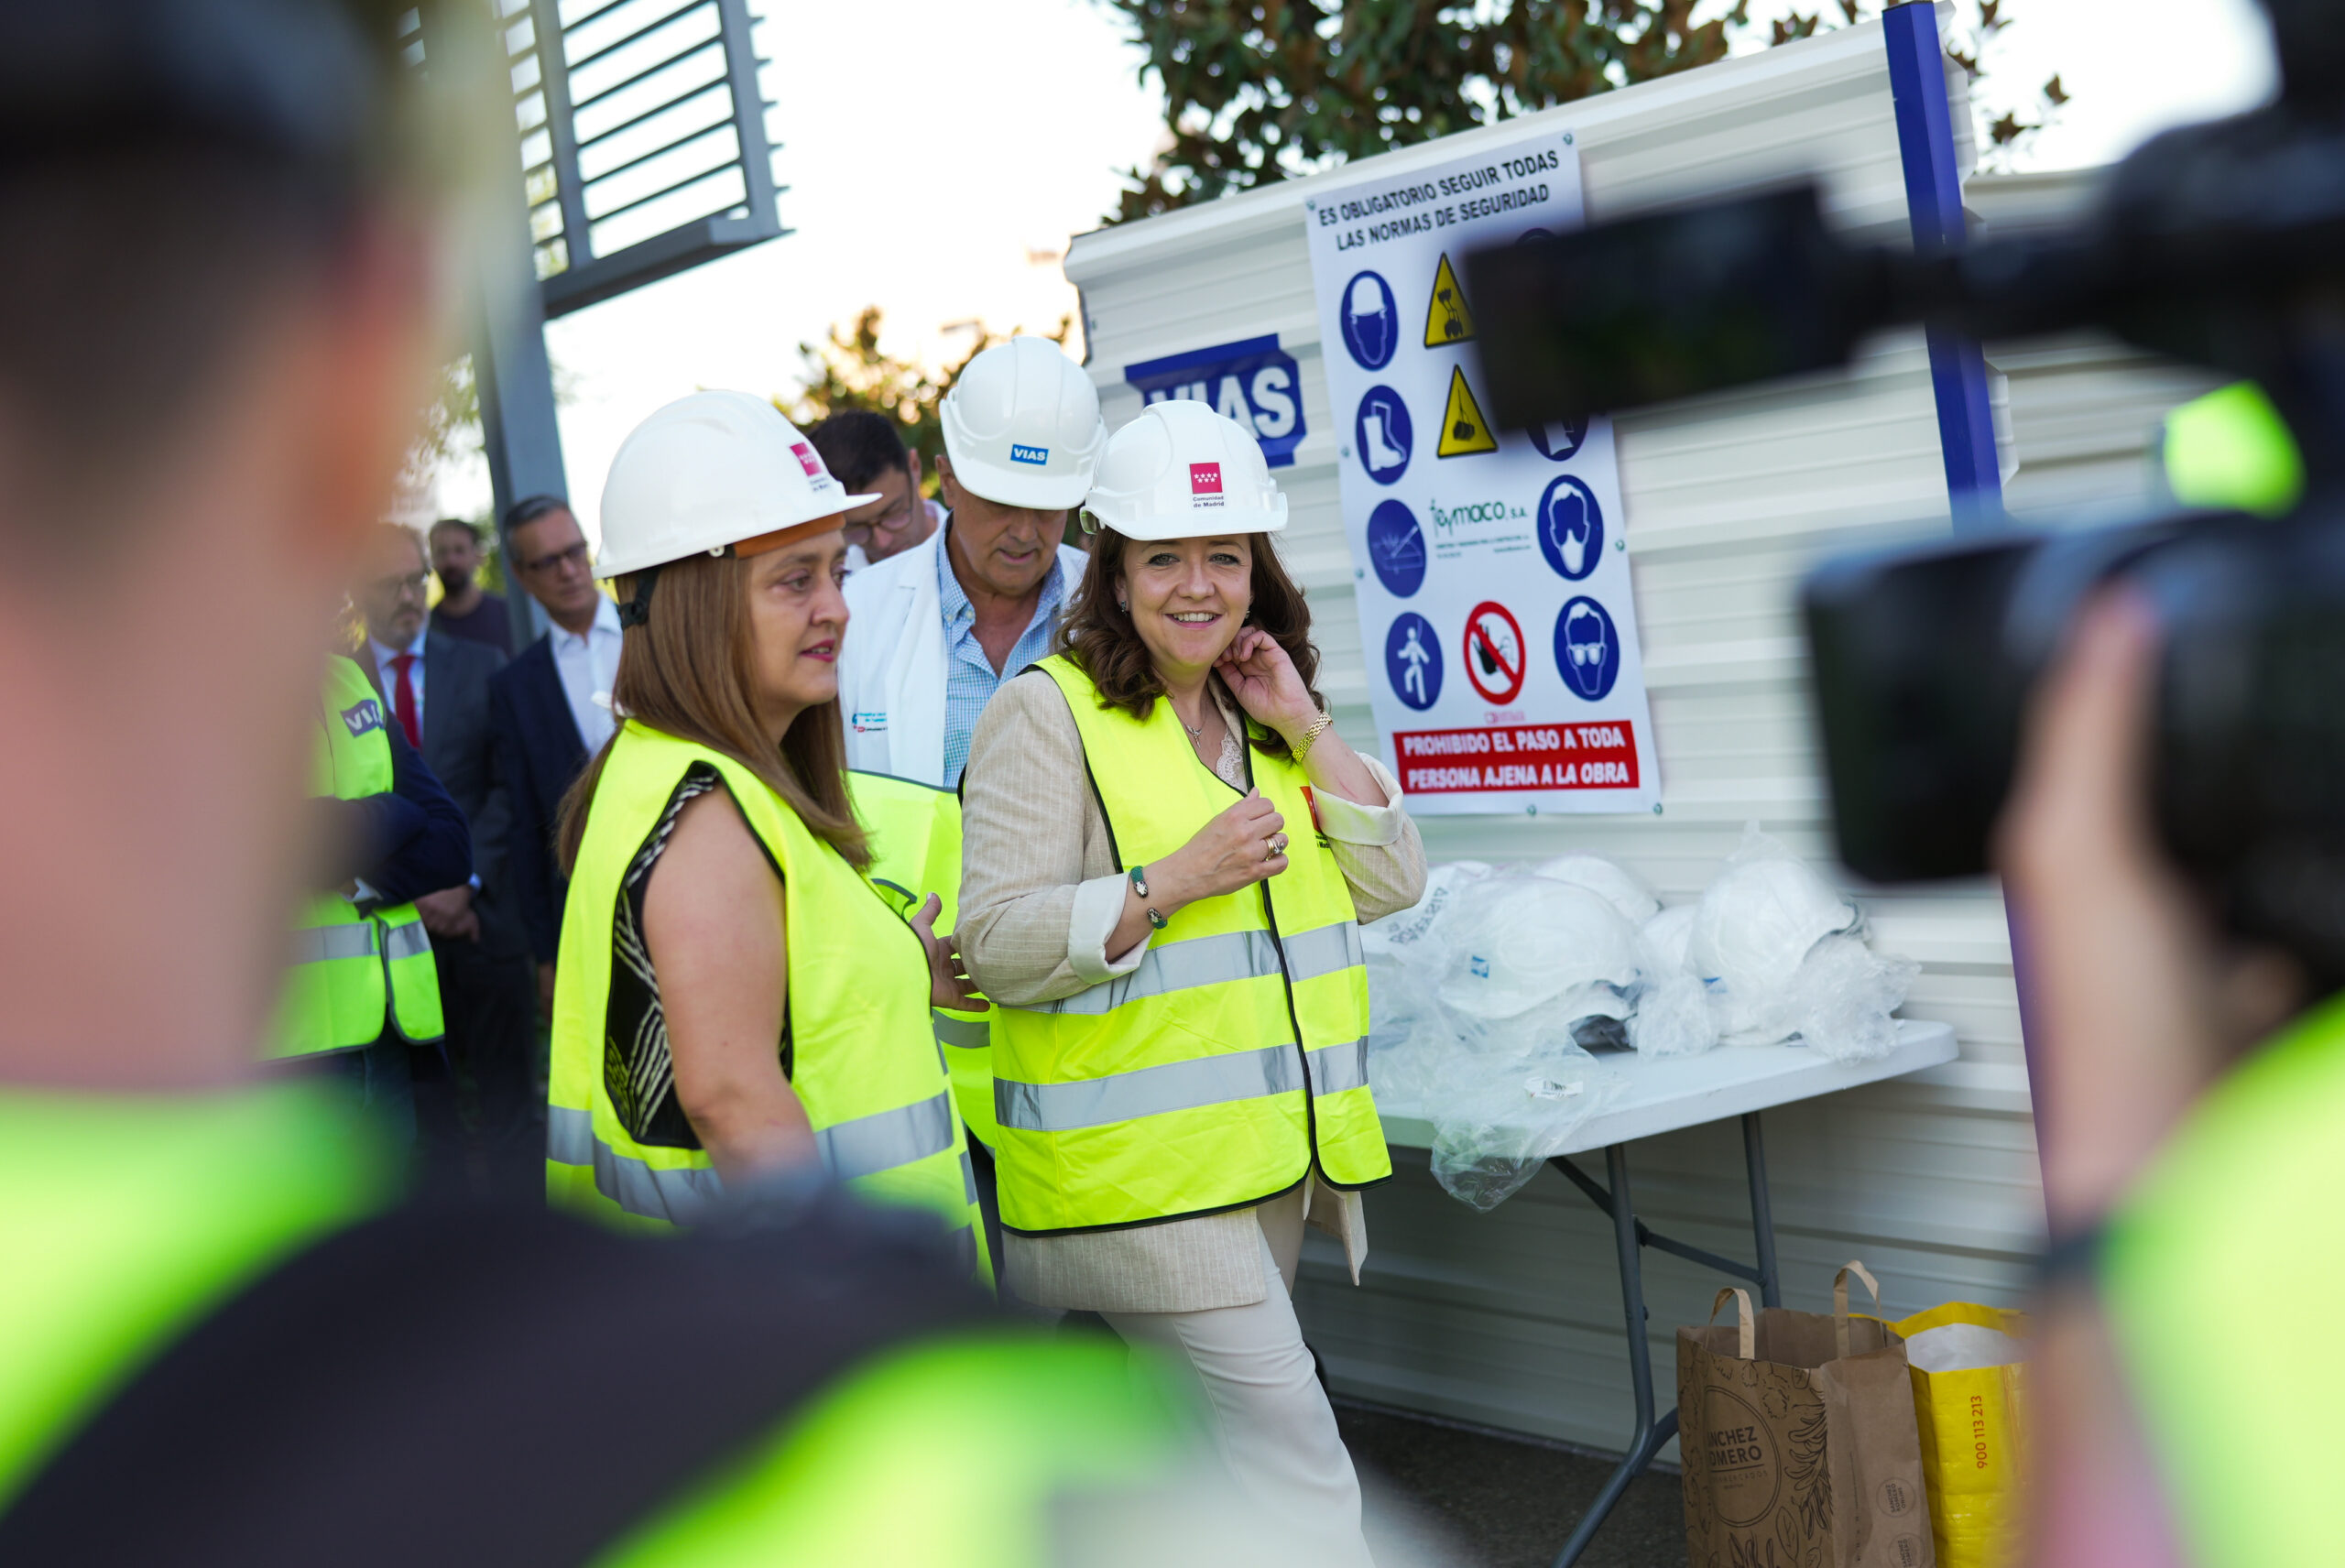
<point>1973,1421</point>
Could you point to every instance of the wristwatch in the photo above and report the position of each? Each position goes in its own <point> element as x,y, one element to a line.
<point>1139,885</point>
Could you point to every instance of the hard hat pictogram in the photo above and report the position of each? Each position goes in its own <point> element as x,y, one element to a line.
<point>1463,428</point>
<point>1446,319</point>
<point>1495,659</point>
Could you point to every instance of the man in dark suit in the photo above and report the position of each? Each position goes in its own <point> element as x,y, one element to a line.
<point>552,708</point>
<point>477,1112</point>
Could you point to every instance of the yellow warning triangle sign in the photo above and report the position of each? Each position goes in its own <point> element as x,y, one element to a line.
<point>1463,428</point>
<point>1447,319</point>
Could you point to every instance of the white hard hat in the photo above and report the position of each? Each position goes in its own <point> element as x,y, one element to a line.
<point>1022,427</point>
<point>707,473</point>
<point>1181,470</point>
<point>1521,941</point>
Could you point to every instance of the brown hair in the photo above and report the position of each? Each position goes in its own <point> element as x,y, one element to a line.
<point>687,672</point>
<point>1100,638</point>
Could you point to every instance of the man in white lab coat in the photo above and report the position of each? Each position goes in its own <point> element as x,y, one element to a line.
<point>935,630</point>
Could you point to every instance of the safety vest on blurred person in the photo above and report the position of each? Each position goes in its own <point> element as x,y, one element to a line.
<point>1182,1087</point>
<point>915,832</point>
<point>353,968</point>
<point>219,1248</point>
<point>860,1052</point>
<point>2232,451</point>
<point>2211,1277</point>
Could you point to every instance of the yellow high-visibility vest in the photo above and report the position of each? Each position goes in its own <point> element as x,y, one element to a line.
<point>351,970</point>
<point>862,1058</point>
<point>1233,1058</point>
<point>2230,449</point>
<point>914,830</point>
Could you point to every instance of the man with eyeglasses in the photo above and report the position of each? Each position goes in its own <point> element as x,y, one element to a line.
<point>551,707</point>
<point>864,452</point>
<point>476,1110</point>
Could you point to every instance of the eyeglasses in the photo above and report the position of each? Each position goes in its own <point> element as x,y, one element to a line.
<point>418,583</point>
<point>575,556</point>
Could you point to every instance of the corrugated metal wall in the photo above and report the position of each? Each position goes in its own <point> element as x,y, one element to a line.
<point>1513,1318</point>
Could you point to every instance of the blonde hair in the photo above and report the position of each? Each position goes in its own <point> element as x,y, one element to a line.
<point>688,671</point>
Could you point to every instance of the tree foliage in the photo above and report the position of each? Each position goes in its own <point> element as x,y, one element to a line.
<point>1975,33</point>
<point>1258,90</point>
<point>850,370</point>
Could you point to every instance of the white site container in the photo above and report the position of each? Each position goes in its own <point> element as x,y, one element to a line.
<point>1513,1318</point>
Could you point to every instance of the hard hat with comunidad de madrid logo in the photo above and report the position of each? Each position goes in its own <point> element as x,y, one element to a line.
<point>1181,471</point>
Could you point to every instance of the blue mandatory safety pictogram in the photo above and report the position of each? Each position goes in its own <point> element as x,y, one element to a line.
<point>1588,649</point>
<point>1396,548</point>
<point>1560,439</point>
<point>1371,325</point>
<point>1413,661</point>
<point>1571,528</point>
<point>1381,436</point>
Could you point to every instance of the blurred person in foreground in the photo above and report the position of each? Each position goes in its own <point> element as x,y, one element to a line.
<point>477,1100</point>
<point>552,708</point>
<point>228,1343</point>
<point>465,609</point>
<point>2192,1096</point>
<point>864,452</point>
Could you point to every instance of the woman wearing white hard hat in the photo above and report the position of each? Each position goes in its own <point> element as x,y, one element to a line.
<point>1167,851</point>
<point>733,995</point>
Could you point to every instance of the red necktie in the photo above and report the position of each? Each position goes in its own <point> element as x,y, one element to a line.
<point>403,698</point>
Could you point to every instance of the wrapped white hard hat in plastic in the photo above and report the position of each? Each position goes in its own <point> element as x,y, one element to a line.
<point>1668,935</point>
<point>1618,886</point>
<point>707,473</point>
<point>1522,942</point>
<point>1753,929</point>
<point>1022,427</point>
<point>1181,471</point>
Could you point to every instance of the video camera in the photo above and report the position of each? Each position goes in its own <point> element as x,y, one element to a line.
<point>2221,243</point>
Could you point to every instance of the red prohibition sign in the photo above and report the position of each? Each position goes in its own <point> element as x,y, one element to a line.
<point>1494,656</point>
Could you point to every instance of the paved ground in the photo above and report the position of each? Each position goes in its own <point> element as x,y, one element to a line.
<point>1470,1499</point>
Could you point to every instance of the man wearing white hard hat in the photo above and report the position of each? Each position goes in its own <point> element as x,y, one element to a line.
<point>733,998</point>
<point>940,627</point>
<point>1167,855</point>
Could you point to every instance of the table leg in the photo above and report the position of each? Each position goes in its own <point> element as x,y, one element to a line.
<point>1651,1434</point>
<point>1762,1213</point>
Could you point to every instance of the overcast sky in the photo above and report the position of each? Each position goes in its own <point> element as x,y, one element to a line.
<point>938,153</point>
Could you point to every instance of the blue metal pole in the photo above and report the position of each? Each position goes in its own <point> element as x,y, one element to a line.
<point>1934,194</point>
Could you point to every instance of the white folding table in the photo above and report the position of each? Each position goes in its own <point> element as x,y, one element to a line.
<point>1662,1096</point>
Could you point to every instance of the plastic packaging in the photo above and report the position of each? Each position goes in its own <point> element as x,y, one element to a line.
<point>1843,994</point>
<point>1616,886</point>
<point>1752,929</point>
<point>1673,1016</point>
<point>1502,1116</point>
<point>1522,942</point>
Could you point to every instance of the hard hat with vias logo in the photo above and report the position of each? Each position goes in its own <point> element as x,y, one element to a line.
<point>1022,427</point>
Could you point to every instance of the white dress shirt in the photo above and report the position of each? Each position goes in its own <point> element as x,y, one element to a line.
<point>390,677</point>
<point>589,666</point>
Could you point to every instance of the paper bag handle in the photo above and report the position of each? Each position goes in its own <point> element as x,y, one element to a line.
<point>1747,1339</point>
<point>1840,1302</point>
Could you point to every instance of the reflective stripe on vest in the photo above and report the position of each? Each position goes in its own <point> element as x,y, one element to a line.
<point>864,1063</point>
<point>914,833</point>
<point>1180,1086</point>
<point>349,973</point>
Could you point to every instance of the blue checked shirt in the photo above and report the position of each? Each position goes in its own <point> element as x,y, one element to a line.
<point>969,679</point>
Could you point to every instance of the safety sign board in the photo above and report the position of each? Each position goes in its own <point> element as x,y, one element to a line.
<point>1254,382</point>
<point>1498,551</point>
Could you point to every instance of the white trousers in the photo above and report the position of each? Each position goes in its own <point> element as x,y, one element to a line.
<point>1270,1420</point>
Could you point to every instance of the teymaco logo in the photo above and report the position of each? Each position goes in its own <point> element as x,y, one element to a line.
<point>1037,454</point>
<point>807,460</point>
<point>1204,485</point>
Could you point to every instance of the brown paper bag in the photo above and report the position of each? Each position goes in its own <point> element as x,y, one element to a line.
<point>1797,1436</point>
